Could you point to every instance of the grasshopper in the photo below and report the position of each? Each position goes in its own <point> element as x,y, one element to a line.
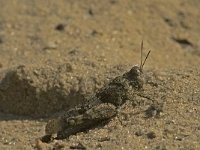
<point>100,107</point>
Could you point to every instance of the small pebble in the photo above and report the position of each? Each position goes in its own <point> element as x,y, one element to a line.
<point>151,135</point>
<point>60,27</point>
<point>178,138</point>
<point>78,146</point>
<point>39,145</point>
<point>104,139</point>
<point>139,133</point>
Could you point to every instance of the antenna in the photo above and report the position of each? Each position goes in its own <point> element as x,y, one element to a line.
<point>141,51</point>
<point>143,63</point>
<point>145,59</point>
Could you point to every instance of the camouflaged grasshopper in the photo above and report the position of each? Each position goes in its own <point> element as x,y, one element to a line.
<point>101,107</point>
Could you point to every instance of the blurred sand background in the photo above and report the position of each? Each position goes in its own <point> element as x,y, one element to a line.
<point>54,53</point>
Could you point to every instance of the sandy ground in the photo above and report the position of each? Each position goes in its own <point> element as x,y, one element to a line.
<point>54,53</point>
